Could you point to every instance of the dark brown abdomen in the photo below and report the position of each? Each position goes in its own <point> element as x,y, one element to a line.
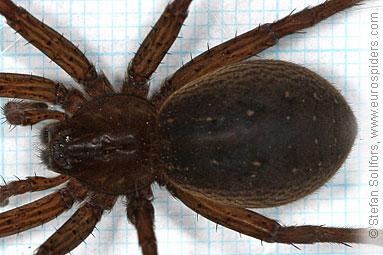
<point>255,134</point>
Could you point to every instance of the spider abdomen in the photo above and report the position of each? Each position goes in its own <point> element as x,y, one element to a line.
<point>255,134</point>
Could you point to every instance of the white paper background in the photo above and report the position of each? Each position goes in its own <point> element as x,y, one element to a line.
<point>110,33</point>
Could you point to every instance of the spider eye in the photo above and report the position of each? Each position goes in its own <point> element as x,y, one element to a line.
<point>67,138</point>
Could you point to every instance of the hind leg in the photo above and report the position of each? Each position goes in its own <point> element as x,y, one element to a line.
<point>265,229</point>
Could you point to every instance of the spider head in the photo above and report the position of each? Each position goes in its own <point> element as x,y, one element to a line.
<point>109,143</point>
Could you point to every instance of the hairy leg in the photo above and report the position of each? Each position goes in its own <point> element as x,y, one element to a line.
<point>78,227</point>
<point>40,211</point>
<point>154,48</point>
<point>30,184</point>
<point>56,47</point>
<point>40,89</point>
<point>253,224</point>
<point>249,44</point>
<point>29,113</point>
<point>140,213</point>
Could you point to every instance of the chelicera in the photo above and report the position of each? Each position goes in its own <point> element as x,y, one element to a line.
<point>223,134</point>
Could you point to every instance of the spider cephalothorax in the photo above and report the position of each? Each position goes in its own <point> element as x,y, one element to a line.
<point>221,135</point>
<point>105,146</point>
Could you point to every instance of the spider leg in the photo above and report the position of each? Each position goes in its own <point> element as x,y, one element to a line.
<point>40,211</point>
<point>249,44</point>
<point>78,227</point>
<point>29,113</point>
<point>30,184</point>
<point>269,230</point>
<point>56,47</point>
<point>41,89</point>
<point>140,213</point>
<point>154,48</point>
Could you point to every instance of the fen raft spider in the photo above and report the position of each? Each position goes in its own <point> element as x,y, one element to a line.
<point>222,134</point>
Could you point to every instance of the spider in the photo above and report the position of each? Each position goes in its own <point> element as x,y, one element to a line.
<point>140,139</point>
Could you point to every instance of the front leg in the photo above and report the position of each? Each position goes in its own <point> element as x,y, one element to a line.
<point>57,48</point>
<point>265,229</point>
<point>154,48</point>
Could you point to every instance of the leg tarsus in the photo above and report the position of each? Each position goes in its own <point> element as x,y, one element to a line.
<point>314,234</point>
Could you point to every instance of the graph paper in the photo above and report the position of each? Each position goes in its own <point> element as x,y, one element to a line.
<point>109,32</point>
